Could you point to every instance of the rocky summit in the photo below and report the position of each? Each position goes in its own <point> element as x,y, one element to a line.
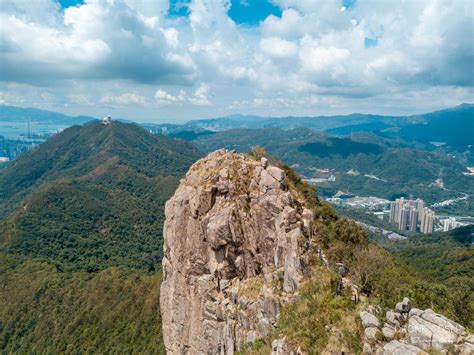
<point>233,230</point>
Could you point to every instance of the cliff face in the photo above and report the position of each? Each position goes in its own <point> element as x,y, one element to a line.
<point>236,245</point>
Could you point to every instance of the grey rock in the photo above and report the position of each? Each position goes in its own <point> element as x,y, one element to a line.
<point>367,348</point>
<point>442,322</point>
<point>277,173</point>
<point>404,306</point>
<point>397,348</point>
<point>392,318</point>
<point>427,335</point>
<point>280,347</point>
<point>388,333</point>
<point>268,181</point>
<point>415,312</point>
<point>223,242</point>
<point>369,320</point>
<point>371,334</point>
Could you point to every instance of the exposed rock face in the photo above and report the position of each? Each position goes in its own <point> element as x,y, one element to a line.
<point>236,246</point>
<point>414,331</point>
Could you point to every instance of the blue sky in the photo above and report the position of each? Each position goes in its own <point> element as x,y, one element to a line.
<point>160,60</point>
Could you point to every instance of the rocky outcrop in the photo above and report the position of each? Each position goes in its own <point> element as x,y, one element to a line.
<point>410,330</point>
<point>236,247</point>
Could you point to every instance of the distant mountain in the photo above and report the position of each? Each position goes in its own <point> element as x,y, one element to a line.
<point>454,127</point>
<point>318,123</point>
<point>20,114</point>
<point>380,166</point>
<point>91,192</point>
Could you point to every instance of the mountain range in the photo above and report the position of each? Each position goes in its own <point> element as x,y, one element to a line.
<point>439,126</point>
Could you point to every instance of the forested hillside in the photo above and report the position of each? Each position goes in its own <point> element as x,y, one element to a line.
<point>92,197</point>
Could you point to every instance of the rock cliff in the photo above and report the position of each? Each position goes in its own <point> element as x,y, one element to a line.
<point>234,234</point>
<point>239,253</point>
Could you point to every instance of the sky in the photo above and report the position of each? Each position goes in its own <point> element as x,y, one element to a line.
<point>172,61</point>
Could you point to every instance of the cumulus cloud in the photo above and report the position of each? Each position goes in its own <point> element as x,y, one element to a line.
<point>96,40</point>
<point>316,54</point>
<point>201,96</point>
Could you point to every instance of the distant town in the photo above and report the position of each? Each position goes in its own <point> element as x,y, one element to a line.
<point>406,215</point>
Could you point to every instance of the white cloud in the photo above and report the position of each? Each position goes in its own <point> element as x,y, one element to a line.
<point>163,98</point>
<point>277,47</point>
<point>200,96</point>
<point>124,50</point>
<point>125,99</point>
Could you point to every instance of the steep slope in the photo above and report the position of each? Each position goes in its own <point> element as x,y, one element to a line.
<point>43,310</point>
<point>91,192</point>
<point>250,261</point>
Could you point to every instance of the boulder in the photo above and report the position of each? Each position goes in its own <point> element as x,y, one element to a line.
<point>397,348</point>
<point>369,320</point>
<point>277,173</point>
<point>426,335</point>
<point>267,180</point>
<point>367,348</point>
<point>388,333</point>
<point>442,322</point>
<point>371,334</point>
<point>404,306</point>
<point>394,319</point>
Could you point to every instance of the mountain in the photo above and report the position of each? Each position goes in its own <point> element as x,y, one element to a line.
<point>454,127</point>
<point>318,123</point>
<point>267,268</point>
<point>448,126</point>
<point>20,114</point>
<point>91,192</point>
<point>366,164</point>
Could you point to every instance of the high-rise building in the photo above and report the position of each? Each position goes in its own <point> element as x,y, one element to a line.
<point>404,221</point>
<point>413,220</point>
<point>451,223</point>
<point>427,221</point>
<point>407,214</point>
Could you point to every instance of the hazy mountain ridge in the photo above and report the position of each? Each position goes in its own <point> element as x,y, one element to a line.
<point>21,114</point>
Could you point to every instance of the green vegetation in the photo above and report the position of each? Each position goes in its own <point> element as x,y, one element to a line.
<point>92,197</point>
<point>46,311</point>
<point>81,240</point>
<point>304,322</point>
<point>403,168</point>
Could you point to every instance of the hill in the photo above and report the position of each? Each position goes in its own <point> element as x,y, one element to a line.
<point>21,114</point>
<point>90,193</point>
<point>364,163</point>
<point>43,310</point>
<point>448,126</point>
<point>454,127</point>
